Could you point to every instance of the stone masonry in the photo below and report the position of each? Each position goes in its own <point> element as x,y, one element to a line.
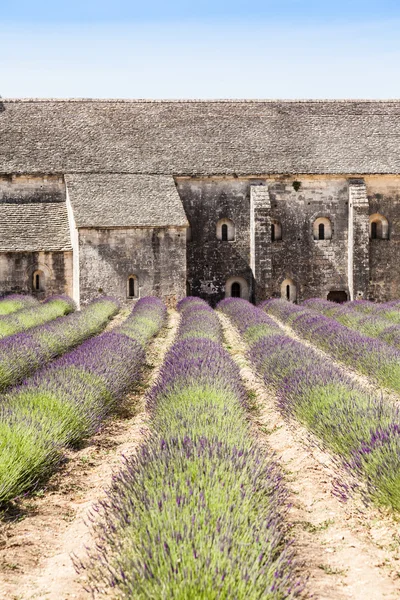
<point>254,199</point>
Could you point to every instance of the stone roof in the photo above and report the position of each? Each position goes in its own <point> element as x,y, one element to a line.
<point>125,200</point>
<point>34,226</point>
<point>199,137</point>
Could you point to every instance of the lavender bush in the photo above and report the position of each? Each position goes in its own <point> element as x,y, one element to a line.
<point>67,401</point>
<point>197,513</point>
<point>54,307</point>
<point>15,302</point>
<point>23,353</point>
<point>361,429</point>
<point>373,324</point>
<point>370,356</point>
<point>386,310</point>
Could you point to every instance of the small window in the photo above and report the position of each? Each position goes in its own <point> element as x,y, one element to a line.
<point>378,227</point>
<point>236,290</point>
<point>237,287</point>
<point>189,234</point>
<point>132,291</point>
<point>38,281</point>
<point>322,229</point>
<point>226,230</point>
<point>276,231</point>
<point>289,290</point>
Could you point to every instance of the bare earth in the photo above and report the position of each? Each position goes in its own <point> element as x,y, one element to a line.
<point>350,551</point>
<point>35,548</point>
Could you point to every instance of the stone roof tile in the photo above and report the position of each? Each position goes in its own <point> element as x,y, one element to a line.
<point>115,200</point>
<point>199,137</point>
<point>34,227</point>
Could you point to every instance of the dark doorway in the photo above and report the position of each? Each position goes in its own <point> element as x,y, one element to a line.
<point>288,292</point>
<point>321,231</point>
<point>374,230</point>
<point>37,281</point>
<point>337,296</point>
<point>235,290</point>
<point>272,232</point>
<point>224,232</point>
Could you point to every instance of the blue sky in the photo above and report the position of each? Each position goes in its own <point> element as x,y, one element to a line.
<point>204,49</point>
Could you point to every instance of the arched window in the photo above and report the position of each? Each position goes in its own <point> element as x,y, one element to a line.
<point>132,287</point>
<point>322,229</point>
<point>237,287</point>
<point>276,231</point>
<point>226,230</point>
<point>38,282</point>
<point>378,227</point>
<point>289,290</point>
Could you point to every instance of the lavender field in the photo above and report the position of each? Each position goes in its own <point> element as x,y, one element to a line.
<point>198,492</point>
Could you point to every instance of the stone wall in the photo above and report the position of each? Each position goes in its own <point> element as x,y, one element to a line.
<point>17,268</point>
<point>155,256</point>
<point>212,262</point>
<point>384,255</point>
<point>315,266</point>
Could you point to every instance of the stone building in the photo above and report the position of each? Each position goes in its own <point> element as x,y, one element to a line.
<point>211,198</point>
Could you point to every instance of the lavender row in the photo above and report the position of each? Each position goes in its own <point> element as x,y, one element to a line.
<point>67,401</point>
<point>387,310</point>
<point>15,302</point>
<point>367,355</point>
<point>198,512</point>
<point>360,428</point>
<point>56,306</point>
<point>23,353</point>
<point>372,324</point>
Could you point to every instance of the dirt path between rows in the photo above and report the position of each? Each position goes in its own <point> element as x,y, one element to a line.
<point>350,552</point>
<point>35,549</point>
<point>365,382</point>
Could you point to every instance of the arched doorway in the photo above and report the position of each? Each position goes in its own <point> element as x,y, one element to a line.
<point>338,296</point>
<point>236,290</point>
<point>237,287</point>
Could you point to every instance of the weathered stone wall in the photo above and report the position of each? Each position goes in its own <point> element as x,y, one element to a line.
<point>384,255</point>
<point>32,188</point>
<point>167,266</point>
<point>212,262</point>
<point>17,268</point>
<point>156,256</point>
<point>315,266</point>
